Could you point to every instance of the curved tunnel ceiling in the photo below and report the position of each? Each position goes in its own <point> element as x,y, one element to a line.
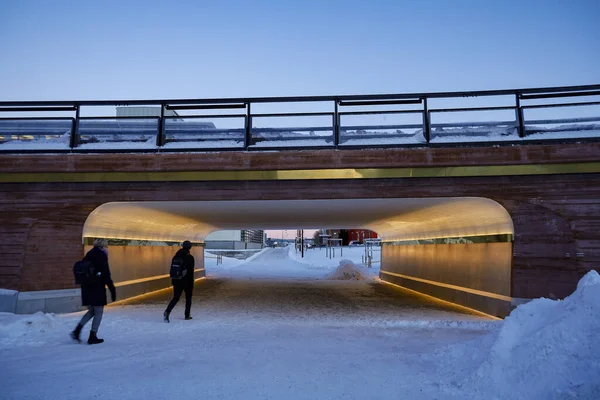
<point>392,219</point>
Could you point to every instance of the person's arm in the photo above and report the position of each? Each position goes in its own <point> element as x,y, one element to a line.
<point>191,267</point>
<point>108,281</point>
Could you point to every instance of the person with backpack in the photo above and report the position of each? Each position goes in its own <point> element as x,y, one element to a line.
<point>93,288</point>
<point>182,278</point>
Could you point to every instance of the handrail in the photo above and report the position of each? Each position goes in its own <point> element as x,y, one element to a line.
<point>295,99</point>
<point>368,106</point>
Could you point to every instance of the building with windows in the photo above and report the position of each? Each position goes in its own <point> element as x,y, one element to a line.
<point>348,235</point>
<point>245,239</point>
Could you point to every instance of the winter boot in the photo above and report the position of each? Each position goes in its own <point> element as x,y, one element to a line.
<point>166,316</point>
<point>75,334</point>
<point>188,317</point>
<point>94,339</point>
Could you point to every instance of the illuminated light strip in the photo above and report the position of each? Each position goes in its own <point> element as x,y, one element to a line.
<point>342,173</point>
<point>445,302</point>
<point>151,278</point>
<point>449,286</point>
<point>139,296</point>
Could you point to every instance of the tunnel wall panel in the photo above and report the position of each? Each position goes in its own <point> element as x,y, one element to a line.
<point>129,263</point>
<point>467,274</point>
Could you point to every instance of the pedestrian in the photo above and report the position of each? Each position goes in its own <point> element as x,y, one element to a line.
<point>182,278</point>
<point>93,294</point>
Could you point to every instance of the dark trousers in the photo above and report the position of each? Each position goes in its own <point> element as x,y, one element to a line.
<point>179,287</point>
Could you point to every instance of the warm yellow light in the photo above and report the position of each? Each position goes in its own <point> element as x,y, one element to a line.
<point>445,302</point>
<point>145,295</point>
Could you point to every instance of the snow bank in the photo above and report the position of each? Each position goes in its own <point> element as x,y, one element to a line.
<point>347,270</point>
<point>546,349</point>
<point>26,329</point>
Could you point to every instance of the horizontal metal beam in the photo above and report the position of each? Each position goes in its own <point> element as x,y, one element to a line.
<point>204,106</point>
<point>474,124</point>
<point>185,117</point>
<point>587,103</point>
<point>555,95</point>
<point>36,109</point>
<point>381,112</point>
<point>397,96</point>
<point>365,127</point>
<point>300,114</point>
<point>463,109</point>
<point>563,121</point>
<point>379,102</point>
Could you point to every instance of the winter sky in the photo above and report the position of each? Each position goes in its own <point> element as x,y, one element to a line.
<point>70,50</point>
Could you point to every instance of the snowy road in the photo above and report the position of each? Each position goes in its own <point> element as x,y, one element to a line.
<point>264,329</point>
<point>249,339</point>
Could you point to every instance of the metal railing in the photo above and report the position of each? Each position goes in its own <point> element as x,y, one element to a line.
<point>355,121</point>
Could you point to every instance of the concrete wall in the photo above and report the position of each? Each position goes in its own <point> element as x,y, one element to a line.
<point>474,275</point>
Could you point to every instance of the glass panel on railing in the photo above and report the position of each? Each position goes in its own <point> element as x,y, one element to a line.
<point>473,126</point>
<point>292,131</point>
<point>368,129</point>
<point>205,132</point>
<point>115,133</point>
<point>35,134</point>
<point>565,122</point>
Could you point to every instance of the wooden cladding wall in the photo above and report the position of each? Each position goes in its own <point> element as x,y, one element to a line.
<point>556,219</point>
<point>306,159</point>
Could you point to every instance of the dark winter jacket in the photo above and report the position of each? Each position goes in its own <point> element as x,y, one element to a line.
<point>95,294</point>
<point>188,262</point>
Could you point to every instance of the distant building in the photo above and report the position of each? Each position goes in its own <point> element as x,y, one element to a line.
<point>348,235</point>
<point>360,235</point>
<point>135,111</point>
<point>235,239</point>
<point>149,111</point>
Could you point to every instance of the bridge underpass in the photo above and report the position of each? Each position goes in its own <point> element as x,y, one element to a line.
<point>456,249</point>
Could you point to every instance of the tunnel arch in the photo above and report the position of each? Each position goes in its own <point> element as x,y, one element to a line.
<point>394,219</point>
<point>457,249</point>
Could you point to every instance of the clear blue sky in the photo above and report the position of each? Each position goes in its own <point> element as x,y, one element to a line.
<point>71,50</point>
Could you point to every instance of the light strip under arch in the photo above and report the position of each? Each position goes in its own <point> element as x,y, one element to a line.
<point>393,219</point>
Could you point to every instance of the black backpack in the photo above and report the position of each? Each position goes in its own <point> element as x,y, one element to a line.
<point>85,272</point>
<point>178,268</point>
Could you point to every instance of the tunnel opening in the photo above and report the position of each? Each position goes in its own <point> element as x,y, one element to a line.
<point>455,249</point>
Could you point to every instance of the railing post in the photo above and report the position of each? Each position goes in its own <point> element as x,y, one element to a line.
<point>336,124</point>
<point>519,116</point>
<point>74,139</point>
<point>426,121</point>
<point>160,135</point>
<point>248,136</point>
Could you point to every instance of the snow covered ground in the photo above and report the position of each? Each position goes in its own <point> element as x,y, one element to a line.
<point>279,326</point>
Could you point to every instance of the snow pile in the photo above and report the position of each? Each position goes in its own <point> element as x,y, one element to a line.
<point>26,329</point>
<point>347,270</point>
<point>546,349</point>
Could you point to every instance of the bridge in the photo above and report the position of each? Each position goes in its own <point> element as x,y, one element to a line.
<point>482,203</point>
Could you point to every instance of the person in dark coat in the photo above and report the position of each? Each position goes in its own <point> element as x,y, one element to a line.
<point>186,284</point>
<point>93,295</point>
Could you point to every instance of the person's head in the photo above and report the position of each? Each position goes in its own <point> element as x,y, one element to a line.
<point>186,245</point>
<point>102,243</point>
